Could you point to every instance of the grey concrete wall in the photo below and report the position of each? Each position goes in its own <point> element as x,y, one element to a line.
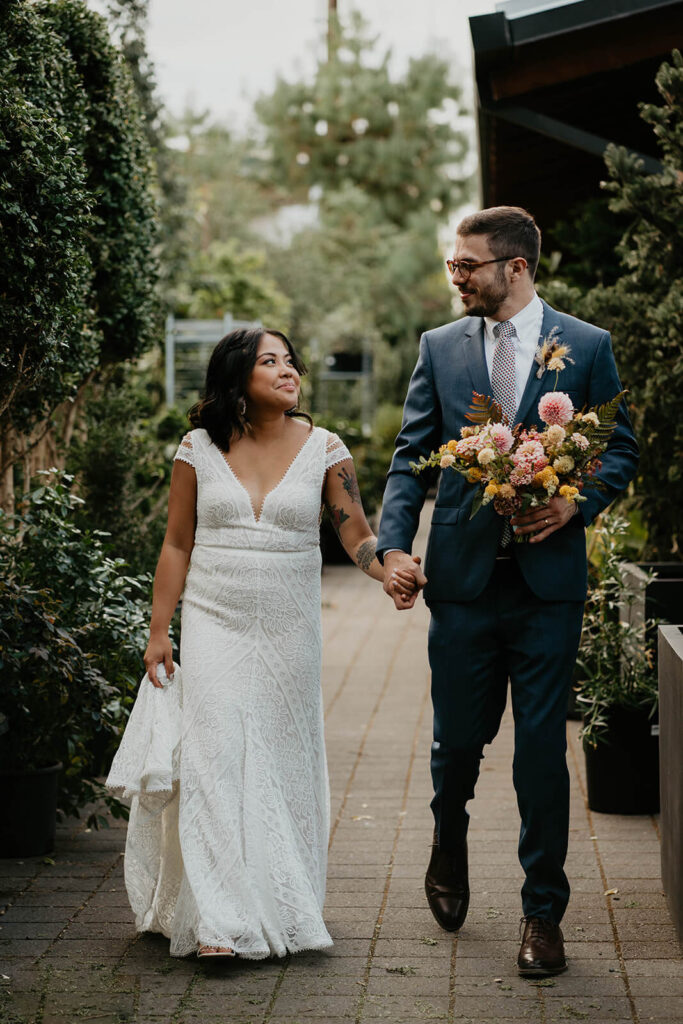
<point>671,767</point>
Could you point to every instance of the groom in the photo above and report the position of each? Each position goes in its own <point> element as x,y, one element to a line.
<point>501,610</point>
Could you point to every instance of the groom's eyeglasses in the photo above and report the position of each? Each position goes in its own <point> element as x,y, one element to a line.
<point>465,267</point>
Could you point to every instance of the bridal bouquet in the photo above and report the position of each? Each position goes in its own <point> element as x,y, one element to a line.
<point>519,469</point>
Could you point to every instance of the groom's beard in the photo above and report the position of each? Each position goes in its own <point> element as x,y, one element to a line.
<point>486,300</point>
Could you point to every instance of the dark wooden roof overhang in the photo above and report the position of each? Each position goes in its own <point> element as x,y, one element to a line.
<point>556,86</point>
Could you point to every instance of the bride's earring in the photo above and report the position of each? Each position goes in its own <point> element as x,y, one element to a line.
<point>242,407</point>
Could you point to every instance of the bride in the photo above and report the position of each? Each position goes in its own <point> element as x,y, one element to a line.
<point>228,855</point>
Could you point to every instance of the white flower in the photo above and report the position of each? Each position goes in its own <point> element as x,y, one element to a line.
<point>580,440</point>
<point>555,435</point>
<point>446,460</point>
<point>592,418</point>
<point>485,456</point>
<point>564,464</point>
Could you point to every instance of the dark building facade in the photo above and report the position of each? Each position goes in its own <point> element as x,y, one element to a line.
<point>556,83</point>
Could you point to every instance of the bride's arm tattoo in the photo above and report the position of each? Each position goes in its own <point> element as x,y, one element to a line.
<point>338,517</point>
<point>350,485</point>
<point>365,555</point>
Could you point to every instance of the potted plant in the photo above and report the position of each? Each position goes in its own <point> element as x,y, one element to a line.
<point>72,629</point>
<point>617,685</point>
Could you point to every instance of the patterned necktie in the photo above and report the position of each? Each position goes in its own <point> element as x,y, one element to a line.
<point>503,369</point>
<point>503,384</point>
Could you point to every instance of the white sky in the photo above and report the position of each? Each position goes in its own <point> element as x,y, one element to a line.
<point>220,54</point>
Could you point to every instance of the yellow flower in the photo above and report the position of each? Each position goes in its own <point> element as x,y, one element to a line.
<point>551,482</point>
<point>474,475</point>
<point>452,446</point>
<point>543,478</point>
<point>569,492</point>
<point>443,448</point>
<point>491,490</point>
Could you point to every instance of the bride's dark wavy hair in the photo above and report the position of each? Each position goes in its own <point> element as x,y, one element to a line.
<point>227,374</point>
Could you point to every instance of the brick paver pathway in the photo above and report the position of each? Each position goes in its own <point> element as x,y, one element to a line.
<point>68,951</point>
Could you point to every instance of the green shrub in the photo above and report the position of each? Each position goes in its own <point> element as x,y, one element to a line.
<point>643,310</point>
<point>73,627</point>
<point>616,659</point>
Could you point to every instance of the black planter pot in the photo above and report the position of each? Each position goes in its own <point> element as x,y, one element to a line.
<point>622,771</point>
<point>29,811</point>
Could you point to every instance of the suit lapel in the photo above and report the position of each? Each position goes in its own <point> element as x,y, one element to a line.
<point>534,384</point>
<point>475,358</point>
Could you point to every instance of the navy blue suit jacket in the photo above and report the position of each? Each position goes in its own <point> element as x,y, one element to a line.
<point>461,552</point>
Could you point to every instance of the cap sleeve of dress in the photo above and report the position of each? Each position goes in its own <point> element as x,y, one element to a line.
<point>335,451</point>
<point>185,452</point>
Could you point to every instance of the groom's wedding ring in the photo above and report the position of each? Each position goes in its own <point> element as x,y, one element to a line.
<point>545,521</point>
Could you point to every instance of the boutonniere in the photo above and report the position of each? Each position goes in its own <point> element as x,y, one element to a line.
<point>550,355</point>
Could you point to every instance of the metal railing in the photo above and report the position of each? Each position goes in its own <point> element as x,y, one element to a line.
<point>189,344</point>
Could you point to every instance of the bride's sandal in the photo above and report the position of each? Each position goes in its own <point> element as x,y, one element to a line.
<point>213,952</point>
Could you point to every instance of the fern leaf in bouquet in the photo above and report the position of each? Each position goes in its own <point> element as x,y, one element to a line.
<point>607,414</point>
<point>484,410</point>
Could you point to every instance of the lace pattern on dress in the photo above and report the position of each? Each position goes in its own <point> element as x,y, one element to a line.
<point>335,451</point>
<point>185,452</point>
<point>236,853</point>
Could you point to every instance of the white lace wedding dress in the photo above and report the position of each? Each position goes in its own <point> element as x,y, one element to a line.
<point>231,850</point>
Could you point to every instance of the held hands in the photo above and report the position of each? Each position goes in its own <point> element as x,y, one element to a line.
<point>158,650</point>
<point>541,522</point>
<point>403,578</point>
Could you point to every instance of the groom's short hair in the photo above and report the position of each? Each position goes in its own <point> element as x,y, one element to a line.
<point>511,231</point>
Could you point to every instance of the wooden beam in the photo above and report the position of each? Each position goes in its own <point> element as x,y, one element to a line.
<point>562,132</point>
<point>600,48</point>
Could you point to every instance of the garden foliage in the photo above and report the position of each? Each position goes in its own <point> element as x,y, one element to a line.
<point>643,310</point>
<point>77,213</point>
<point>72,626</point>
<point>616,661</point>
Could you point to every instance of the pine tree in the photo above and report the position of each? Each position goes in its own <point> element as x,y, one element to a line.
<point>354,125</point>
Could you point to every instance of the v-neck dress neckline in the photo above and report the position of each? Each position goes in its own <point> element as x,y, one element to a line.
<point>258,516</point>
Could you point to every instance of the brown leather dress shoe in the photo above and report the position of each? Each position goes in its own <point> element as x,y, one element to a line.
<point>447,886</point>
<point>542,949</point>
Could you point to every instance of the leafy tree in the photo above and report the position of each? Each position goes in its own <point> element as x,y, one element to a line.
<point>382,160</point>
<point>582,246</point>
<point>46,205</point>
<point>77,217</point>
<point>357,276</point>
<point>128,23</point>
<point>225,178</point>
<point>119,169</point>
<point>644,310</point>
<point>122,460</point>
<point>353,125</point>
<point>227,278</point>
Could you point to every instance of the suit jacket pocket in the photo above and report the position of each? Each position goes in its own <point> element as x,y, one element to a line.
<point>446,515</point>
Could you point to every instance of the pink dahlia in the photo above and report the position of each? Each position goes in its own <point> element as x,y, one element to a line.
<point>501,437</point>
<point>521,475</point>
<point>556,407</point>
<point>468,447</point>
<point>531,454</point>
